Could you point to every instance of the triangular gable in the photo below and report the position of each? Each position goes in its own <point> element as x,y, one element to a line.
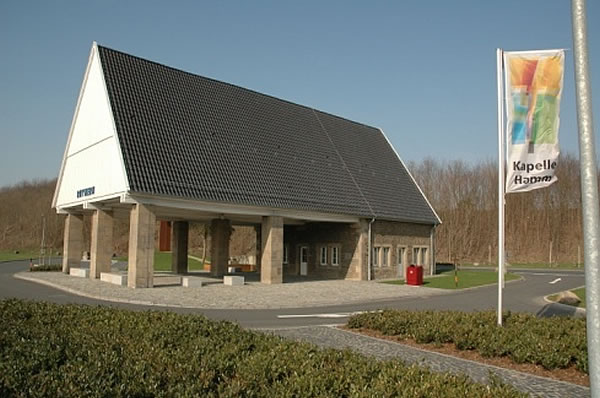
<point>92,166</point>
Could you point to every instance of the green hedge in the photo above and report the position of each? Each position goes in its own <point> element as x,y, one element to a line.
<point>551,342</point>
<point>46,268</point>
<point>48,350</point>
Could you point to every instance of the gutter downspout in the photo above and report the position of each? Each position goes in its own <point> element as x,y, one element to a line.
<point>369,251</point>
<point>432,264</point>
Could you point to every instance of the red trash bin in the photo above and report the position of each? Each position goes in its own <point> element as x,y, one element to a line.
<point>414,275</point>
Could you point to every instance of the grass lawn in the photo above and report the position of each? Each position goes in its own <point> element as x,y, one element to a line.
<point>465,279</point>
<point>579,292</point>
<point>530,265</point>
<point>546,265</point>
<point>162,262</point>
<point>9,255</point>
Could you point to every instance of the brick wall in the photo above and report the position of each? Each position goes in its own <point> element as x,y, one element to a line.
<point>394,235</point>
<point>352,242</point>
<point>349,238</point>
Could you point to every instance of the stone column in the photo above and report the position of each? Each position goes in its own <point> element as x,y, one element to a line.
<point>219,248</point>
<point>272,250</point>
<point>179,257</point>
<point>360,238</point>
<point>141,247</point>
<point>258,253</point>
<point>73,242</point>
<point>101,243</point>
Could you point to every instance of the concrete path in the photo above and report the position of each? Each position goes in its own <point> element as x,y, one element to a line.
<point>332,337</point>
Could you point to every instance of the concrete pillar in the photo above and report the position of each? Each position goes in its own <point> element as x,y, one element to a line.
<point>101,243</point>
<point>219,248</point>
<point>179,257</point>
<point>357,241</point>
<point>272,250</point>
<point>361,255</point>
<point>142,223</point>
<point>257,230</point>
<point>73,242</point>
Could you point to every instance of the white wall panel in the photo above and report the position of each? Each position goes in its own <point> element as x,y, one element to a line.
<point>93,163</point>
<point>94,119</point>
<point>99,167</point>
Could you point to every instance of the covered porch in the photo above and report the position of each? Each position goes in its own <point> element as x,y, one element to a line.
<point>275,249</point>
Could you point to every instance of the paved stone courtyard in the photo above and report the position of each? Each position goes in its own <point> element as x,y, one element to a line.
<point>216,295</point>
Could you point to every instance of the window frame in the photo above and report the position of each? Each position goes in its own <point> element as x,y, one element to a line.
<point>323,251</point>
<point>286,253</point>
<point>376,254</point>
<point>385,257</point>
<point>334,255</point>
<point>421,254</point>
<point>400,254</point>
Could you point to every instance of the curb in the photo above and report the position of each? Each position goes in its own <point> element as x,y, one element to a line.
<point>578,310</point>
<point>95,297</point>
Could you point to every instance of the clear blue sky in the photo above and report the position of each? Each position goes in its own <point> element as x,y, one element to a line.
<point>423,71</point>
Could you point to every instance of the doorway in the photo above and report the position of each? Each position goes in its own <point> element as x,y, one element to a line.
<point>303,260</point>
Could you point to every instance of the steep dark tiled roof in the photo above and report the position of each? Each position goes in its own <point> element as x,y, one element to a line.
<point>188,136</point>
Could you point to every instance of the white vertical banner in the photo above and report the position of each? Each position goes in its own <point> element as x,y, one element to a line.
<point>533,83</point>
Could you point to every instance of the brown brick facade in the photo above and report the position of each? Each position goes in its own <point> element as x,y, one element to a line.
<point>350,240</point>
<point>395,235</point>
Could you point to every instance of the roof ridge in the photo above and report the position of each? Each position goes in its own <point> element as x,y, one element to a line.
<point>344,163</point>
<point>234,85</point>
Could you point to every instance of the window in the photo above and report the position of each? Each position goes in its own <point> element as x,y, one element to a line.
<point>416,255</point>
<point>285,254</point>
<point>335,255</point>
<point>323,255</point>
<point>304,254</point>
<point>401,254</point>
<point>419,255</point>
<point>381,256</point>
<point>385,261</point>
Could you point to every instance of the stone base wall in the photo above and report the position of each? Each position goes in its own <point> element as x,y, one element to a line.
<point>352,240</point>
<point>348,238</point>
<point>394,235</point>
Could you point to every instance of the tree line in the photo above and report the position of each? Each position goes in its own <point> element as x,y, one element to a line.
<point>541,226</point>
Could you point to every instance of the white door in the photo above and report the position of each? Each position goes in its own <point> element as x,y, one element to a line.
<point>304,260</point>
<point>401,262</point>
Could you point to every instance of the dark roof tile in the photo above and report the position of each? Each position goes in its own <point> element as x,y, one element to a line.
<point>188,136</point>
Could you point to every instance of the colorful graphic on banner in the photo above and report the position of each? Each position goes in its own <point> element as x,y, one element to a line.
<point>532,88</point>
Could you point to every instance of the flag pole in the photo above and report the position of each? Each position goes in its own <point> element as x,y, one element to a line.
<point>499,68</point>
<point>589,192</point>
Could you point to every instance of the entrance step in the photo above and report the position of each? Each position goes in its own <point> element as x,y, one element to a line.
<point>233,280</point>
<point>115,279</point>
<point>190,281</point>
<point>80,272</point>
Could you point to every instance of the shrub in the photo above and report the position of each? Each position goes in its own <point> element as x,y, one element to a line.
<point>52,350</point>
<point>46,268</point>
<point>553,343</point>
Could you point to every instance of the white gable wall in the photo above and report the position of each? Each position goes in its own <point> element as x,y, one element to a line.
<point>92,165</point>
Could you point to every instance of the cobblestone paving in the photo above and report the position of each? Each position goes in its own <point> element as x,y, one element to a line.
<point>253,295</point>
<point>326,336</point>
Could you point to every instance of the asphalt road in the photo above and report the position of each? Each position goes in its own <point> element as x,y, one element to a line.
<point>525,295</point>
